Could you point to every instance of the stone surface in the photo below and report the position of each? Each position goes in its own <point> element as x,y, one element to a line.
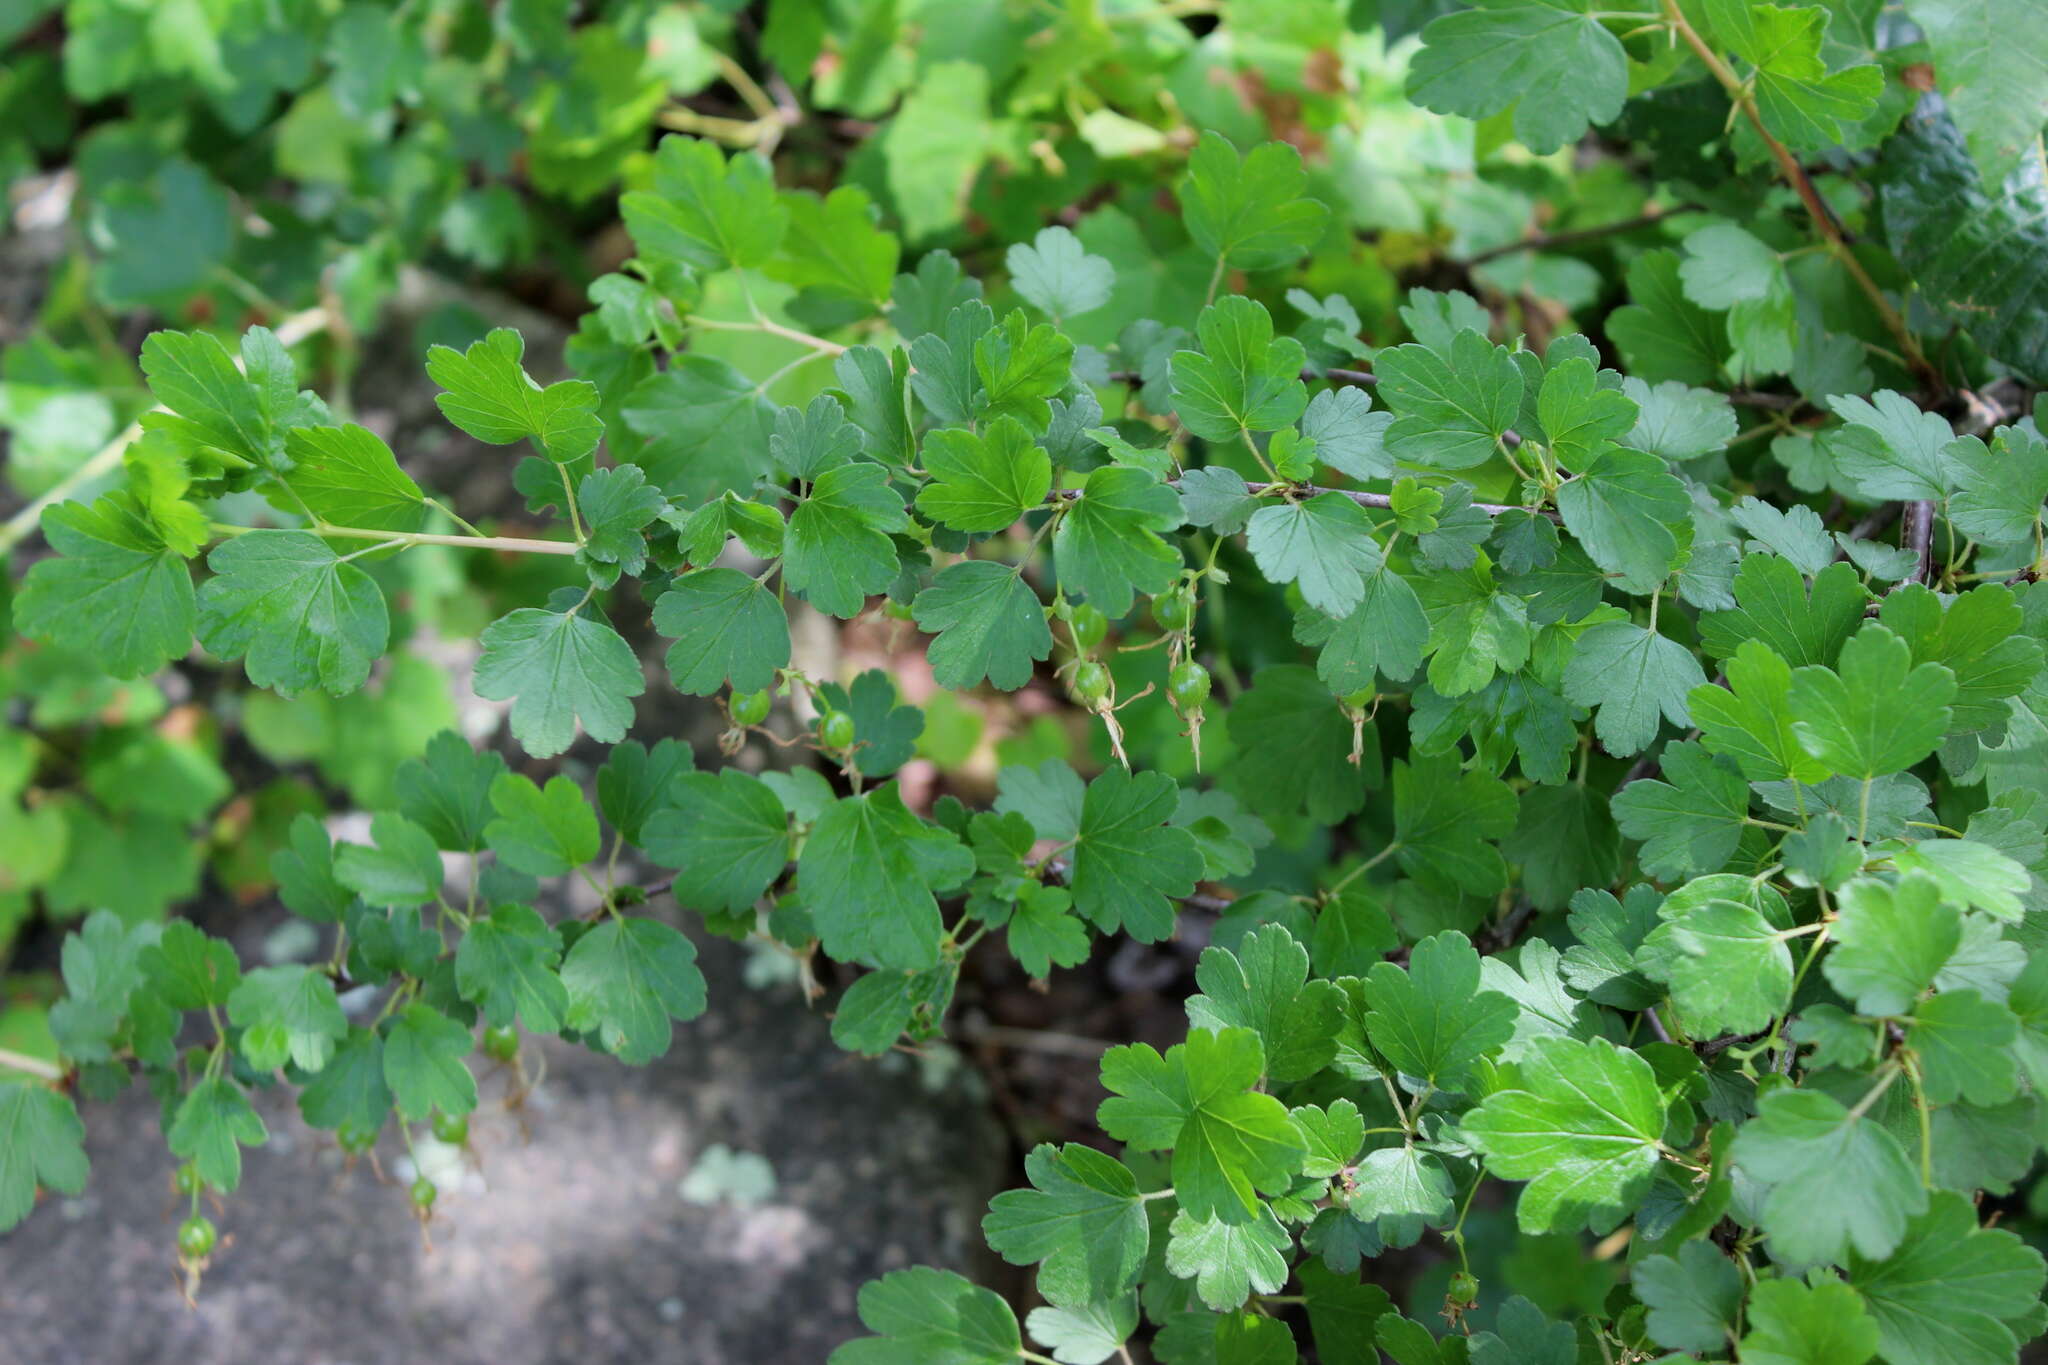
<point>573,1244</point>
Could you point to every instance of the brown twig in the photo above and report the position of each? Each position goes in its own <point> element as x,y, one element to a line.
<point>1551,241</point>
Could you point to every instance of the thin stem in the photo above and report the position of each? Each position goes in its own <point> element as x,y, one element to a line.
<point>445,510</point>
<point>107,458</point>
<point>30,1066</point>
<point>1577,236</point>
<point>1215,279</point>
<point>569,497</point>
<point>513,544</point>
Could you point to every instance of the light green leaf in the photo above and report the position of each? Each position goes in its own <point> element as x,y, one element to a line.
<point>559,668</point>
<point>1873,716</point>
<point>42,1143</point>
<point>1581,1126</point>
<point>1728,970</point>
<point>728,631</point>
<point>987,623</point>
<point>505,965</point>
<point>302,616</point>
<point>1058,275</point>
<point>984,482</point>
<point>1243,379</point>
<point>1551,61</point>
<point>1082,1223</point>
<point>113,591</point>
<point>1453,406</point>
<point>704,212</point>
<point>627,979</point>
<point>1264,986</point>
<point>1249,213</point>
<point>1107,546</point>
<point>425,1066</point>
<point>838,552</point>
<point>1793,1324</point>
<point>1952,1291</point>
<point>490,396</point>
<point>1837,1179</point>
<point>213,1123</point>
<point>348,477</point>
<point>923,1316</point>
<point>868,874</point>
<point>1228,1261</point>
<point>1632,676</point>
<point>287,1014</point>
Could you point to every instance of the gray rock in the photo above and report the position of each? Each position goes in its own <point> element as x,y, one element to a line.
<point>581,1249</point>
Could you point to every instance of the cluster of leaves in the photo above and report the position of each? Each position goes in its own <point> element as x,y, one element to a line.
<point>1617,821</point>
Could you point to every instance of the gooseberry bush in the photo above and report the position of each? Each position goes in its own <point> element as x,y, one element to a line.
<point>1609,767</point>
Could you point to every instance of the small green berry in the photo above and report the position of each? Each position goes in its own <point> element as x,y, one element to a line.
<point>1464,1288</point>
<point>197,1238</point>
<point>1090,627</point>
<point>501,1042</point>
<point>750,708</point>
<point>423,1194</point>
<point>1174,611</point>
<point>1091,683</point>
<point>1188,686</point>
<point>355,1139</point>
<point>452,1129</point>
<point>186,1180</point>
<point>835,731</point>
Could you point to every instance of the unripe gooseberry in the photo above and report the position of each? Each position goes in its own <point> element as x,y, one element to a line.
<point>1091,683</point>
<point>501,1042</point>
<point>1188,686</point>
<point>1090,627</point>
<point>423,1194</point>
<point>1174,611</point>
<point>836,731</point>
<point>750,708</point>
<point>452,1129</point>
<point>197,1237</point>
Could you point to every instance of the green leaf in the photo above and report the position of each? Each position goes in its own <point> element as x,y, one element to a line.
<point>1772,605</point>
<point>403,869</point>
<point>706,426</point>
<point>1058,275</point>
<point>424,1064</point>
<point>505,965</point>
<point>1242,380</point>
<point>113,591</point>
<point>1432,1020</point>
<point>838,552</point>
<point>1953,1289</point>
<point>1601,965</point>
<point>1445,823</point>
<point>1694,1298</point>
<point>1454,405</point>
<point>1564,839</point>
<point>984,482</point>
<point>1043,931</point>
<point>616,504</point>
<point>1342,1313</point>
<point>834,249</point>
<point>490,396</point>
<point>987,623</point>
<point>1727,967</point>
<point>1551,61</point>
<point>347,476</point>
<point>1750,720</point>
<point>1623,507</point>
<point>1082,1222</point>
<point>1980,636</point>
<point>1581,1126</point>
<point>213,1123</point>
<point>188,969</point>
<point>543,832</point>
<point>923,1316</point>
<point>705,212</point>
<point>559,668</point>
<point>1350,435</point>
<point>1294,746</point>
<point>1352,933</point>
<point>808,441</point>
<point>1676,421</point>
<point>1129,863</point>
<point>1663,335</point>
<point>1383,638</point>
<point>1793,1324</point>
<point>1228,1141</point>
<point>303,617</point>
<point>287,1014</point>
<point>1804,104</point>
<point>42,1143</point>
<point>1107,546</point>
<point>868,874</point>
<point>1403,1190</point>
<point>350,1091</point>
<point>1326,544</point>
<point>1690,824</point>
<point>1581,418</point>
<point>880,1007</point>
<point>1993,67</point>
<point>447,792</point>
<point>1633,677</point>
<point>1964,1043</point>
<point>729,631</point>
<point>626,979</point>
<point>1975,250</point>
<point>1890,942</point>
<point>1249,213</point>
<point>1837,1179</point>
<point>1228,1261</point>
<point>1889,448</point>
<point>1264,987</point>
<point>1020,366</point>
<point>1874,716</point>
<point>726,833</point>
